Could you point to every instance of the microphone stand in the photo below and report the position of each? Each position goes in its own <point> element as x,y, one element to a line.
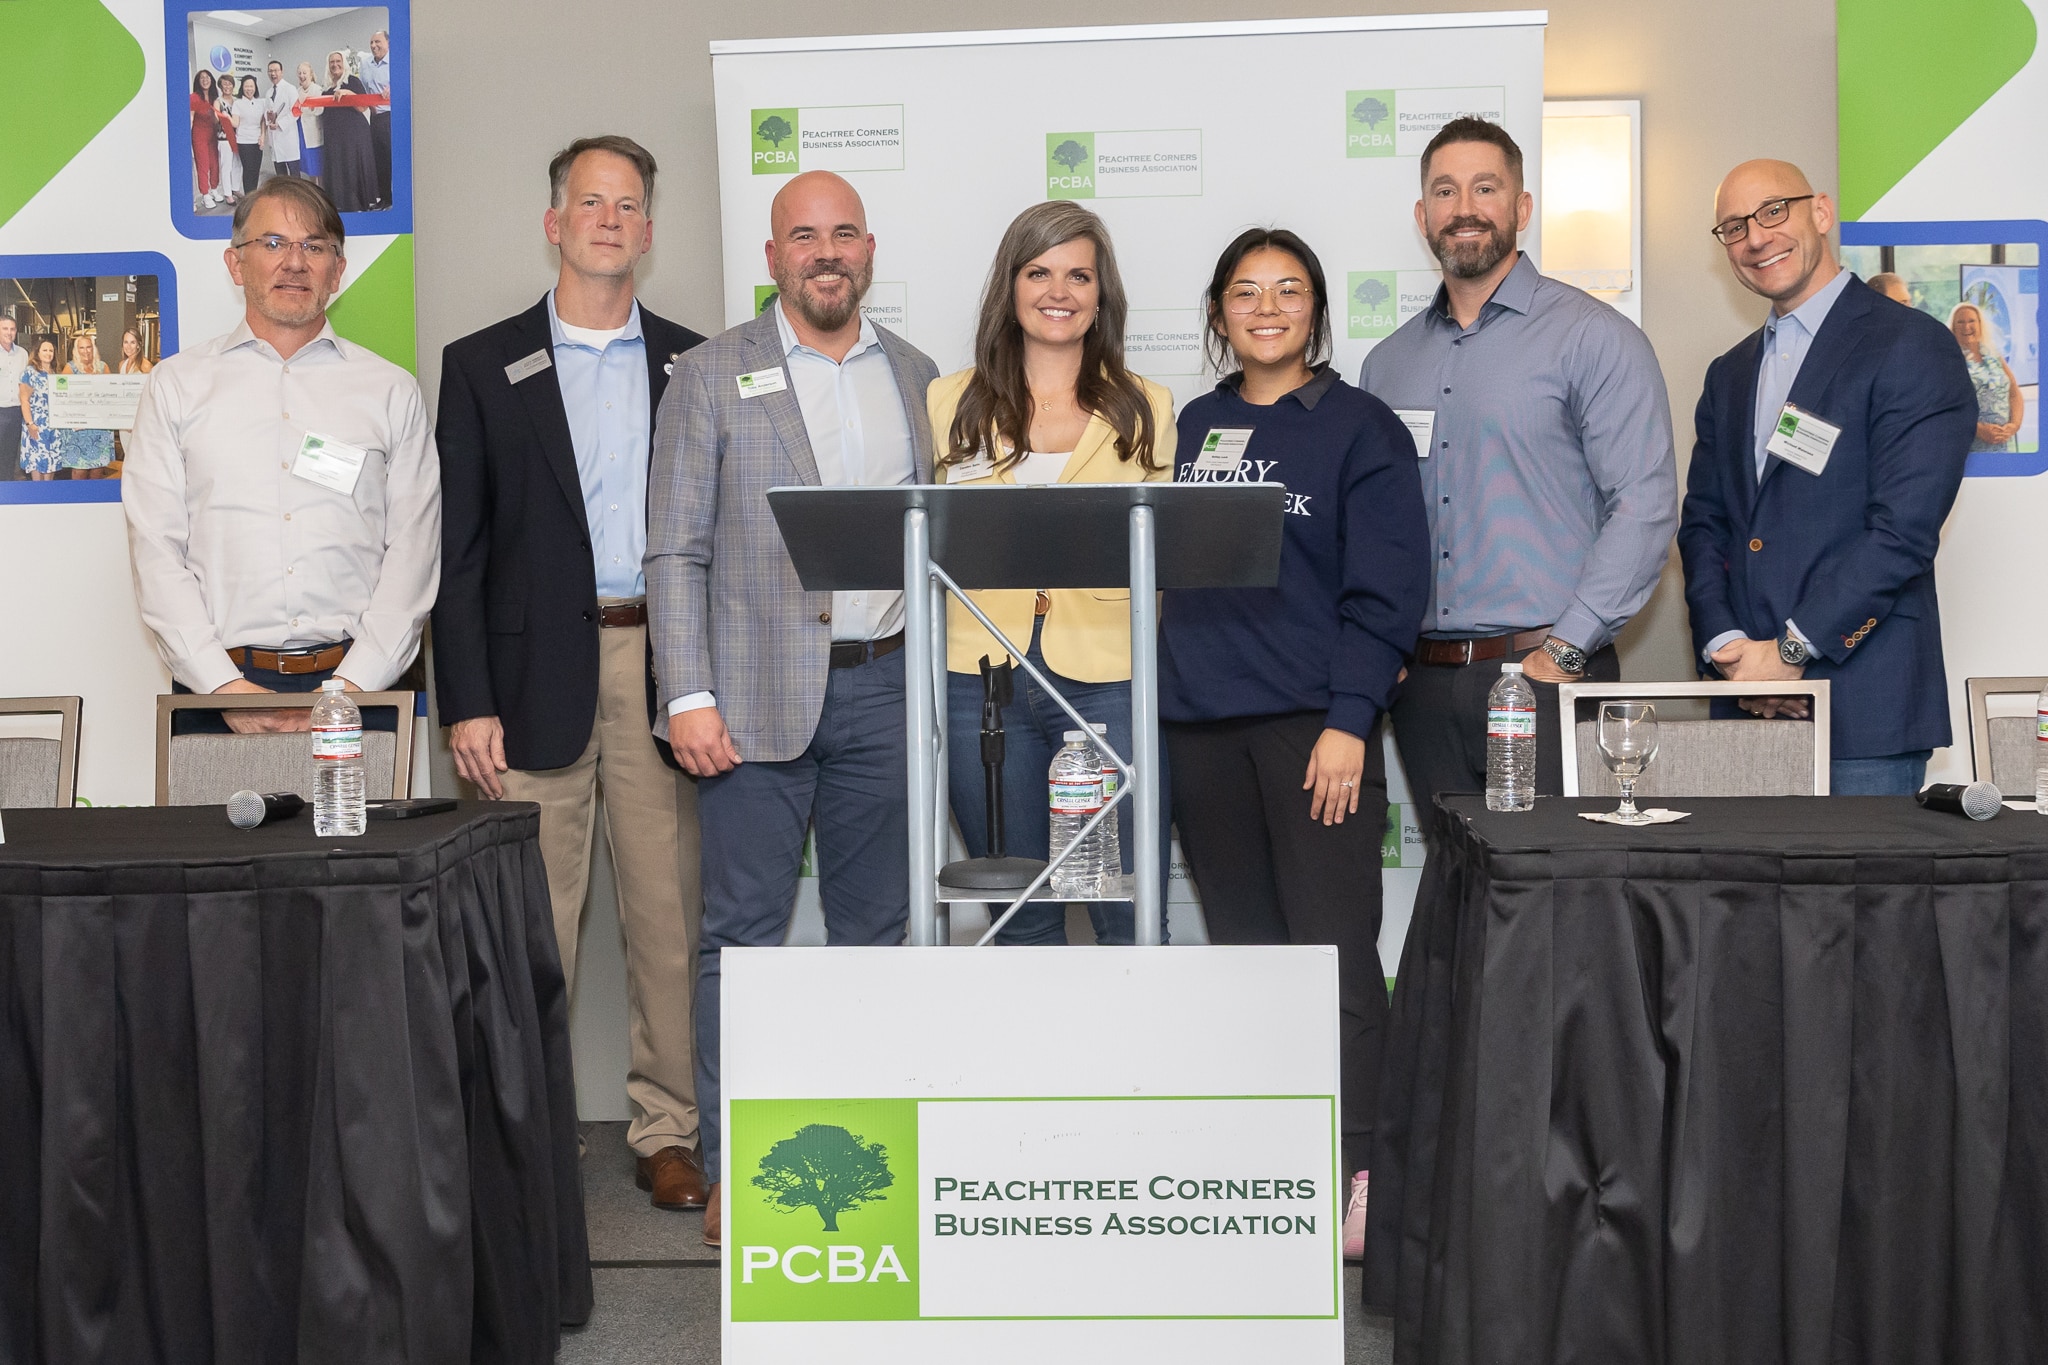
<point>996,872</point>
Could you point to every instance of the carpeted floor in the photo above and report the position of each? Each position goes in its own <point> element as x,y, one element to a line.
<point>657,1283</point>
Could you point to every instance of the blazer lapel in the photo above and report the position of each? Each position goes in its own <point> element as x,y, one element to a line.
<point>915,414</point>
<point>784,413</point>
<point>1744,420</point>
<point>542,395</point>
<point>1096,437</point>
<point>1832,346</point>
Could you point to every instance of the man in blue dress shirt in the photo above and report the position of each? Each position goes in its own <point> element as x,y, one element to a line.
<point>376,78</point>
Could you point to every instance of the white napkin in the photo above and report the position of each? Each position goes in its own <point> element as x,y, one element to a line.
<point>1657,816</point>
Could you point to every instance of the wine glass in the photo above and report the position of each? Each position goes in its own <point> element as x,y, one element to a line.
<point>1628,741</point>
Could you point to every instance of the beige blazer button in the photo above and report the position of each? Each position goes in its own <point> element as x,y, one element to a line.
<point>1755,545</point>
<point>824,618</point>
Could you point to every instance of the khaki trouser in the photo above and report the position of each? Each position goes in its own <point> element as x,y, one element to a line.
<point>651,825</point>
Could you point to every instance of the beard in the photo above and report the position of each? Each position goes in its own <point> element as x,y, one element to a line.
<point>289,310</point>
<point>1470,260</point>
<point>823,315</point>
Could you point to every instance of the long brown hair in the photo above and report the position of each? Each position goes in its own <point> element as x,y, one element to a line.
<point>998,399</point>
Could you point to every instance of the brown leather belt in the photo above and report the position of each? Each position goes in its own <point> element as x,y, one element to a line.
<point>314,660</point>
<point>623,614</point>
<point>1457,653</point>
<point>854,653</point>
<point>1043,604</point>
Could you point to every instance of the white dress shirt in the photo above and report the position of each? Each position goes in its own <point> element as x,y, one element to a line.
<point>230,548</point>
<point>13,362</point>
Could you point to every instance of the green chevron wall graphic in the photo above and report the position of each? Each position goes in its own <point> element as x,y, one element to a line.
<point>102,68</point>
<point>1909,73</point>
<point>376,310</point>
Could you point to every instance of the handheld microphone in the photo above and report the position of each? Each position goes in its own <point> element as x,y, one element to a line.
<point>248,810</point>
<point>1979,800</point>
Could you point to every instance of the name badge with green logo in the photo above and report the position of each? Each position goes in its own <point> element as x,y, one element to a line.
<point>329,463</point>
<point>1803,440</point>
<point>762,381</point>
<point>1223,450</point>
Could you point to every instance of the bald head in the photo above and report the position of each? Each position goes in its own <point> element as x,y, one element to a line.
<point>1782,251</point>
<point>819,199</point>
<point>822,254</point>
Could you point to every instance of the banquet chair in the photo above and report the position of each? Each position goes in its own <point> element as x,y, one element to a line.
<point>205,770</point>
<point>36,770</point>
<point>1710,757</point>
<point>2002,747</point>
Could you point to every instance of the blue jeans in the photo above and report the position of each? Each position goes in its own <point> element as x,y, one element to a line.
<point>1034,728</point>
<point>1893,775</point>
<point>853,784</point>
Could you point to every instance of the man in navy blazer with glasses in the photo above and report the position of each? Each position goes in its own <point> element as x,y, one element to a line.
<point>1830,447</point>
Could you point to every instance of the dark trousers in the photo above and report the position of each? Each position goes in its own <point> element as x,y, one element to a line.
<point>1267,873</point>
<point>10,437</point>
<point>288,169</point>
<point>214,723</point>
<point>252,166</point>
<point>380,149</point>
<point>852,784</point>
<point>1440,724</point>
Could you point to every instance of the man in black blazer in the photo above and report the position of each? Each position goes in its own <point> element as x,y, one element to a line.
<point>540,631</point>
<point>1831,444</point>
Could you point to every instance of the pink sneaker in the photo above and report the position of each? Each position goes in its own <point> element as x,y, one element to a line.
<point>1354,1218</point>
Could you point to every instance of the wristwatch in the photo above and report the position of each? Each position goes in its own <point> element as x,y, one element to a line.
<point>1570,658</point>
<point>1793,650</point>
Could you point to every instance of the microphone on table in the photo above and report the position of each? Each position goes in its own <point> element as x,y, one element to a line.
<point>249,810</point>
<point>1979,800</point>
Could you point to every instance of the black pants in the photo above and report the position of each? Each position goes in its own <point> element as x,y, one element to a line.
<point>215,723</point>
<point>252,166</point>
<point>1440,725</point>
<point>380,149</point>
<point>10,437</point>
<point>1267,873</point>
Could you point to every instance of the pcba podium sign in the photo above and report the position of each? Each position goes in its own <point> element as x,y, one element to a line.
<point>1086,1154</point>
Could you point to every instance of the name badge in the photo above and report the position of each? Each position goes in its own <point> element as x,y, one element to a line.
<point>529,367</point>
<point>967,471</point>
<point>1223,450</point>
<point>762,381</point>
<point>1803,440</point>
<point>329,463</point>
<point>1421,424</point>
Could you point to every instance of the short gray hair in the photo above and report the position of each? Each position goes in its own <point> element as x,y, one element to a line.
<point>642,159</point>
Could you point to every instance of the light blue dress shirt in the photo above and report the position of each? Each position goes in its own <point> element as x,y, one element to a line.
<point>1786,341</point>
<point>604,393</point>
<point>376,77</point>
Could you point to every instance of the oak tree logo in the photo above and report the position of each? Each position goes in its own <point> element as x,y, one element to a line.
<point>1372,292</point>
<point>773,133</point>
<point>1369,121</point>
<point>825,1168</point>
<point>1371,111</point>
<point>1070,154</point>
<point>774,129</point>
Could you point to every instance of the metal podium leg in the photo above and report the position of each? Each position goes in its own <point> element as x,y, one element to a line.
<point>1145,726</point>
<point>919,707</point>
<point>941,803</point>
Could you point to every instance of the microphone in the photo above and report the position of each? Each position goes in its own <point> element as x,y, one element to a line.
<point>1979,800</point>
<point>248,810</point>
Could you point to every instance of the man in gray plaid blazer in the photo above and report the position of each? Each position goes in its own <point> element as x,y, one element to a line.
<point>786,705</point>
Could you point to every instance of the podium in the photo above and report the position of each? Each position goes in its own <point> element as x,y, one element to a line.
<point>931,540</point>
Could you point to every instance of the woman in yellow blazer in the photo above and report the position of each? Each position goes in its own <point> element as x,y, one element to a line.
<point>1049,400</point>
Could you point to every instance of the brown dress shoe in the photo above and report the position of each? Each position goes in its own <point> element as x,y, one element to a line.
<point>714,1219</point>
<point>673,1178</point>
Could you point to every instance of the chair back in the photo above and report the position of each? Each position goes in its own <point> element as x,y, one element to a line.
<point>205,770</point>
<point>2002,747</point>
<point>35,770</point>
<point>1733,757</point>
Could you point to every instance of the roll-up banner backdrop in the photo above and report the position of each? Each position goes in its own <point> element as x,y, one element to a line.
<point>1179,136</point>
<point>116,205</point>
<point>1942,183</point>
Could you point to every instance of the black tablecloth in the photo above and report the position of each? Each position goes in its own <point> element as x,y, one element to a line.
<point>267,1097</point>
<point>1770,1084</point>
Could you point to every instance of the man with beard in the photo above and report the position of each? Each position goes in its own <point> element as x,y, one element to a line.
<point>1544,431</point>
<point>787,705</point>
<point>282,491</point>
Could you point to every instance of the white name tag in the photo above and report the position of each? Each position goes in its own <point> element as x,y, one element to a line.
<point>527,368</point>
<point>1421,424</point>
<point>1223,450</point>
<point>762,381</point>
<point>329,463</point>
<point>1803,440</point>
<point>967,471</point>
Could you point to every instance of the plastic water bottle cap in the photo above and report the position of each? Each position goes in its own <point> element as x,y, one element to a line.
<point>1511,668</point>
<point>332,685</point>
<point>1099,728</point>
<point>1076,736</point>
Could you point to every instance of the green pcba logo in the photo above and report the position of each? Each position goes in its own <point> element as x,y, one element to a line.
<point>764,294</point>
<point>1370,308</point>
<point>1213,444</point>
<point>774,132</point>
<point>1368,123</point>
<point>822,1210</point>
<point>1070,165</point>
<point>1788,423</point>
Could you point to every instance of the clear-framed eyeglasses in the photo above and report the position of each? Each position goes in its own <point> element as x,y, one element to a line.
<point>1289,296</point>
<point>314,249</point>
<point>1768,214</point>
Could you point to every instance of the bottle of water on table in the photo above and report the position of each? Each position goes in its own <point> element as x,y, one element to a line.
<point>337,763</point>
<point>1075,791</point>
<point>1106,835</point>
<point>1511,742</point>
<point>2041,752</point>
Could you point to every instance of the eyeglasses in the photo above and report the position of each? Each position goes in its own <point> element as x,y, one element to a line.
<point>1289,296</point>
<point>1769,214</point>
<point>314,249</point>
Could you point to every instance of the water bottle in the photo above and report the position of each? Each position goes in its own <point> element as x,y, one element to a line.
<point>1106,835</point>
<point>1511,742</point>
<point>337,764</point>
<point>1075,787</point>
<point>2041,752</point>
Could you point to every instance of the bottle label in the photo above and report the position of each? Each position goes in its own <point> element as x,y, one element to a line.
<point>1110,781</point>
<point>338,743</point>
<point>2041,724</point>
<point>1510,722</point>
<point>1078,797</point>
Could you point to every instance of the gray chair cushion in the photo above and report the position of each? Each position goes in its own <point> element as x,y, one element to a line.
<point>1710,758</point>
<point>207,769</point>
<point>28,772</point>
<point>2012,754</point>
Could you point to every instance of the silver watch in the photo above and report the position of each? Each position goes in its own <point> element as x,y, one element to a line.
<point>1570,658</point>
<point>1793,650</point>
